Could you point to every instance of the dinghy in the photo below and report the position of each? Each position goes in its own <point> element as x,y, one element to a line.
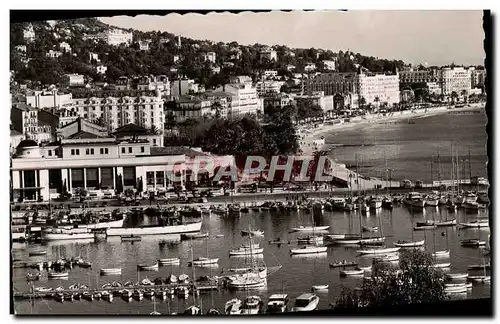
<point>169,261</point>
<point>309,250</point>
<point>143,267</point>
<point>441,254</point>
<point>320,287</point>
<point>339,264</point>
<point>479,278</point>
<point>456,276</point>
<point>111,271</point>
<point>309,228</point>
<point>203,262</point>
<point>353,272</point>
<point>473,243</point>
<point>409,244</point>
<point>442,265</point>
<point>379,251</point>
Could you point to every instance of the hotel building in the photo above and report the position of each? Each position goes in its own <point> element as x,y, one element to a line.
<point>378,89</point>
<point>456,79</point>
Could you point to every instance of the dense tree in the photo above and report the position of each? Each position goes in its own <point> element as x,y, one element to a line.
<point>417,282</point>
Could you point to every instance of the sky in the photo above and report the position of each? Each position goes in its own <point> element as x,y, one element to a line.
<point>414,36</point>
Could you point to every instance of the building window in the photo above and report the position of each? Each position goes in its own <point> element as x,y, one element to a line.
<point>106,151</point>
<point>77,178</point>
<point>150,178</point>
<point>123,150</point>
<point>92,178</point>
<point>142,149</point>
<point>77,151</point>
<point>130,149</point>
<point>101,151</point>
<point>87,151</point>
<point>55,179</point>
<point>92,151</point>
<point>154,141</point>
<point>50,152</point>
<point>107,178</point>
<point>129,177</point>
<point>160,178</point>
<point>72,151</point>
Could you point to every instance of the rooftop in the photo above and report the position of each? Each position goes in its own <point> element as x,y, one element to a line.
<point>132,129</point>
<point>175,150</point>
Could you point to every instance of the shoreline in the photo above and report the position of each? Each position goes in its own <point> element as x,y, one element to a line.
<point>306,141</point>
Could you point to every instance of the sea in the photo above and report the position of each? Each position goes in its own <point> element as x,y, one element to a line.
<point>408,148</point>
<point>415,148</point>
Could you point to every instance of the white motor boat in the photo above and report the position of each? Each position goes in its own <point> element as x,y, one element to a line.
<point>277,303</point>
<point>309,228</point>
<point>58,275</point>
<point>353,272</point>
<point>414,199</point>
<point>241,282</point>
<point>441,254</point>
<point>476,224</point>
<point>251,305</point>
<point>379,251</point>
<point>246,252</point>
<point>456,290</point>
<point>309,249</point>
<point>456,276</point>
<point>442,265</point>
<point>143,267</point>
<point>169,261</point>
<point>233,307</point>
<point>320,287</point>
<point>200,262</point>
<point>479,278</point>
<point>111,271</point>
<point>306,303</point>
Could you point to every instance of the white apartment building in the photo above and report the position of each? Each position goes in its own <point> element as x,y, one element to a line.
<point>183,87</point>
<point>329,64</point>
<point>209,57</point>
<point>434,88</point>
<point>190,107</point>
<point>244,99</point>
<point>309,67</point>
<point>268,54</point>
<point>270,74</point>
<point>153,83</point>
<point>268,86</point>
<point>53,54</point>
<point>65,47</point>
<point>101,69</point>
<point>116,37</point>
<point>29,34</point>
<point>478,77</point>
<point>94,56</point>
<point>25,120</point>
<point>21,48</point>
<point>48,99</point>
<point>72,80</point>
<point>116,109</point>
<point>378,88</point>
<point>144,45</point>
<point>457,79</point>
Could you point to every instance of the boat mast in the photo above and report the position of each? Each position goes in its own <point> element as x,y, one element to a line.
<point>470,169</point>
<point>357,172</point>
<point>194,278</point>
<point>386,173</point>
<point>452,172</point>
<point>432,179</point>
<point>458,173</point>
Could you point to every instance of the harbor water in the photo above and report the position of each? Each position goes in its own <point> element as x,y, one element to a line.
<point>408,145</point>
<point>296,276</point>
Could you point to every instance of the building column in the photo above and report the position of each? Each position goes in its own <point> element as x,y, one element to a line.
<point>69,180</point>
<point>84,178</point>
<point>99,177</point>
<point>114,178</point>
<point>44,183</point>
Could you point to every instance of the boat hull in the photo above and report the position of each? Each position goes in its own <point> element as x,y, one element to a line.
<point>379,251</point>
<point>66,236</point>
<point>313,250</point>
<point>112,224</point>
<point>158,230</point>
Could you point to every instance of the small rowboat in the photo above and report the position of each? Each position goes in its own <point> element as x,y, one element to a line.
<point>472,243</point>
<point>456,276</point>
<point>111,271</point>
<point>203,262</point>
<point>354,272</point>
<point>130,238</point>
<point>247,252</point>
<point>189,236</point>
<point>320,287</point>
<point>58,275</point>
<point>424,227</point>
<point>37,253</point>
<point>309,250</point>
<point>85,264</point>
<point>442,265</point>
<point>379,251</point>
<point>441,254</point>
<point>169,261</point>
<point>479,278</point>
<point>409,244</point>
<point>340,264</point>
<point>387,258</point>
<point>143,267</point>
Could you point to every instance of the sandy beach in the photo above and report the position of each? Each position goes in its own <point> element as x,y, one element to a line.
<point>307,134</point>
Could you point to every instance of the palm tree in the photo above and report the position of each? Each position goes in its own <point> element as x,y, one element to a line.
<point>463,93</point>
<point>454,96</point>
<point>81,193</point>
<point>377,101</point>
<point>154,130</point>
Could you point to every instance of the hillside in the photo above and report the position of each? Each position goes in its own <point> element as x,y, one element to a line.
<point>232,58</point>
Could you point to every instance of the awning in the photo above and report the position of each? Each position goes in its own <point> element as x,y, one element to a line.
<point>28,188</point>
